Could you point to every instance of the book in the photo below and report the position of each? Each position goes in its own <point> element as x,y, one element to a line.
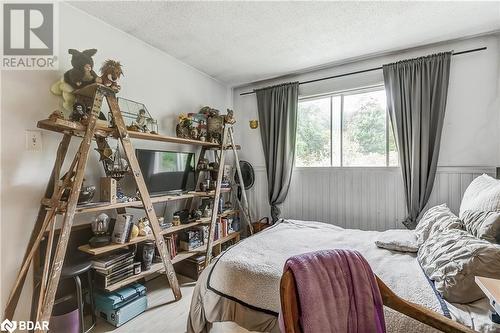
<point>104,281</point>
<point>107,261</point>
<point>115,267</point>
<point>121,231</point>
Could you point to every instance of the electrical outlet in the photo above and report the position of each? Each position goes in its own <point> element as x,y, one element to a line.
<point>33,140</point>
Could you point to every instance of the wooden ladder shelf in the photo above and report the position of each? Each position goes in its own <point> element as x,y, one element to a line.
<point>226,144</point>
<point>52,203</point>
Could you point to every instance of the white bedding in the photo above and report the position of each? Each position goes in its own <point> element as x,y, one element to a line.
<point>243,284</point>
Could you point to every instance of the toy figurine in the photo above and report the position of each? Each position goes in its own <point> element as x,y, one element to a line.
<point>202,164</point>
<point>79,112</point>
<point>111,71</point>
<point>144,228</point>
<point>229,117</point>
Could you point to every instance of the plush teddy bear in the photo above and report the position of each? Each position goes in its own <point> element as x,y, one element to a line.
<point>79,76</point>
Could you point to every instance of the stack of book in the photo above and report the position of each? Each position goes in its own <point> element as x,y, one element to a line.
<point>113,268</point>
<point>223,227</point>
<point>171,241</point>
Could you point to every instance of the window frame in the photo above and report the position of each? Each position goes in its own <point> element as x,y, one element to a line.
<point>342,94</point>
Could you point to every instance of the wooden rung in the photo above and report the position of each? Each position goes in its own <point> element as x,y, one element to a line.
<point>90,90</point>
<point>238,147</point>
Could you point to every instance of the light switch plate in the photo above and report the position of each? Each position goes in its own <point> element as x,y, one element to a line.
<point>33,140</point>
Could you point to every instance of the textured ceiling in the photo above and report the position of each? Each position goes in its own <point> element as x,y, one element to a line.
<point>241,42</point>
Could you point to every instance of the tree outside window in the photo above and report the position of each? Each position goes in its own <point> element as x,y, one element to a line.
<point>345,130</point>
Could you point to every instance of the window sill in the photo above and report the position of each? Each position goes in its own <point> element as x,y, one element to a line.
<point>344,168</point>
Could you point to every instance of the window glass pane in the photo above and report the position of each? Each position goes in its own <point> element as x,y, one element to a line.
<point>364,126</point>
<point>313,133</point>
<point>393,153</point>
<point>336,129</point>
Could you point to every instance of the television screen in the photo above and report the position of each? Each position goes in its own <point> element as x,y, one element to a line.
<point>167,171</point>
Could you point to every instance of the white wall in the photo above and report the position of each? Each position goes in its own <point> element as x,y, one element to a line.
<point>166,85</point>
<point>470,138</point>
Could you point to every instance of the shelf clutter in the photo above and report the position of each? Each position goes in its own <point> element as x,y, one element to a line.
<point>111,247</point>
<point>125,270</point>
<point>128,274</point>
<point>135,248</point>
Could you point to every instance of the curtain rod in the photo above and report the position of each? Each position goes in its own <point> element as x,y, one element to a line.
<point>366,70</point>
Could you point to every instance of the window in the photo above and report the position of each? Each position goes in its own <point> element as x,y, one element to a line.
<point>348,129</point>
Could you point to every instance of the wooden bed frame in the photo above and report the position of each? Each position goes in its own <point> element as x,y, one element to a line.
<point>291,308</point>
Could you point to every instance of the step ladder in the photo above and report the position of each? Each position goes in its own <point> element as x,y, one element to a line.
<point>227,143</point>
<point>72,181</point>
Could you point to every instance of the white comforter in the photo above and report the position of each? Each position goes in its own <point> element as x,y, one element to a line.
<point>243,284</point>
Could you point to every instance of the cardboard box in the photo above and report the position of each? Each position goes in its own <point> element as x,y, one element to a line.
<point>108,189</point>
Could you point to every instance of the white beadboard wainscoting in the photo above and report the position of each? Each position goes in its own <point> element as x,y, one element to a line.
<point>363,198</point>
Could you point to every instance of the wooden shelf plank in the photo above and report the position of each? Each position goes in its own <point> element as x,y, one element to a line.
<point>172,139</point>
<point>238,147</point>
<point>155,268</point>
<point>203,249</point>
<point>177,228</point>
<point>100,206</point>
<point>229,212</point>
<point>227,238</point>
<point>111,247</point>
<point>62,125</point>
<point>76,129</point>
<point>209,193</point>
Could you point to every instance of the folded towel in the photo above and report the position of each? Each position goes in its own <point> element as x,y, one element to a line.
<point>337,292</point>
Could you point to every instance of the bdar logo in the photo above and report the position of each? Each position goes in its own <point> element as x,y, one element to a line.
<point>28,29</point>
<point>8,325</point>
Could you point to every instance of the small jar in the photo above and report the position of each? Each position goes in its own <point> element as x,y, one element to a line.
<point>176,220</point>
<point>148,252</point>
<point>137,268</point>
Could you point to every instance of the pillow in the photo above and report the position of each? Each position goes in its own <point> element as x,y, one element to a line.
<point>453,258</point>
<point>397,240</point>
<point>436,219</point>
<point>485,225</point>
<point>482,194</point>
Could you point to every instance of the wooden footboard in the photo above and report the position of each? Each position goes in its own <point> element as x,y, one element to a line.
<point>290,308</point>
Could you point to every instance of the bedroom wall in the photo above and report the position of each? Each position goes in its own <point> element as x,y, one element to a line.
<point>372,198</point>
<point>166,85</point>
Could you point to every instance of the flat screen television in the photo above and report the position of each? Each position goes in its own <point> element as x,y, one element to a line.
<point>167,172</point>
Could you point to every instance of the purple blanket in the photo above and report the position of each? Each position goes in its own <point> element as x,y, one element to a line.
<point>337,292</point>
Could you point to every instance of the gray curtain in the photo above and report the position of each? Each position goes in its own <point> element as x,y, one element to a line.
<point>416,100</point>
<point>277,108</point>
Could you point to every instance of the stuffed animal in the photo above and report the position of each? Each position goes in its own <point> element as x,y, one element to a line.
<point>111,71</point>
<point>229,117</point>
<point>78,77</point>
<point>82,73</point>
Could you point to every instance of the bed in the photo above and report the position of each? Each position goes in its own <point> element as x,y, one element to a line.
<point>242,284</point>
